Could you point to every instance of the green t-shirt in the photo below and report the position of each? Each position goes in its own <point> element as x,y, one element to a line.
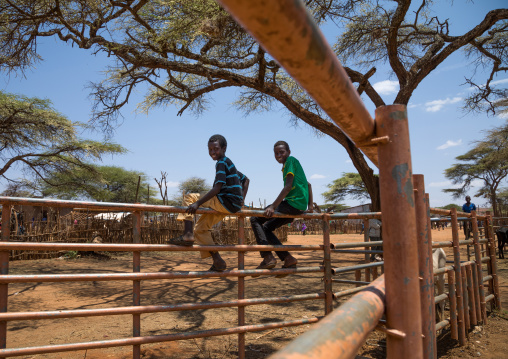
<point>298,197</point>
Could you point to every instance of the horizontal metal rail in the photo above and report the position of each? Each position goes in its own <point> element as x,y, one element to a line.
<point>59,314</point>
<point>442,324</point>
<point>87,247</point>
<point>358,251</point>
<point>152,338</point>
<point>354,268</point>
<point>347,292</point>
<point>345,281</point>
<point>356,244</point>
<point>151,276</point>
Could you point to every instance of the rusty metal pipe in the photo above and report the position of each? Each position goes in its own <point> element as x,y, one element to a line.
<point>241,288</point>
<point>478,273</point>
<point>328,266</point>
<point>403,305</point>
<point>355,268</point>
<point>150,276</point>
<point>149,247</point>
<point>136,284</point>
<point>288,33</point>
<point>4,271</point>
<point>345,293</point>
<point>76,313</point>
<point>152,338</point>
<point>470,296</point>
<point>493,262</point>
<point>425,268</point>
<point>458,277</point>
<point>453,304</point>
<point>353,251</point>
<point>342,332</point>
<point>356,244</point>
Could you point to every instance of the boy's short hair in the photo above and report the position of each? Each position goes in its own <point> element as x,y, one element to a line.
<point>283,143</point>
<point>218,138</point>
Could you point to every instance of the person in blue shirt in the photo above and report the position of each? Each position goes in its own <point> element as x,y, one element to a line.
<point>468,207</point>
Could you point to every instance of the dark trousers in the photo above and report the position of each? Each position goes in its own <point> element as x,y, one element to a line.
<point>263,228</point>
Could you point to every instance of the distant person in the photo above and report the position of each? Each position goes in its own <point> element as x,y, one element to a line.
<point>375,228</point>
<point>226,196</point>
<point>295,198</point>
<point>468,207</point>
<point>304,228</point>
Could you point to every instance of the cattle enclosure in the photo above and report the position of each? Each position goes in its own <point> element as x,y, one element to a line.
<point>467,302</point>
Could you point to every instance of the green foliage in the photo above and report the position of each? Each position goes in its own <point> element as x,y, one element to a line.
<point>104,184</point>
<point>190,185</point>
<point>182,51</point>
<point>486,161</point>
<point>41,142</point>
<point>349,185</point>
<point>452,205</point>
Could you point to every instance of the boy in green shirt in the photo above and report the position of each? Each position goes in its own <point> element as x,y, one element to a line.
<point>295,198</point>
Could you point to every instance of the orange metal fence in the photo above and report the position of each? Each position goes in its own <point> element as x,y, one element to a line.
<point>137,277</point>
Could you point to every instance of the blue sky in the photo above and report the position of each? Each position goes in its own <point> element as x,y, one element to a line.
<point>163,141</point>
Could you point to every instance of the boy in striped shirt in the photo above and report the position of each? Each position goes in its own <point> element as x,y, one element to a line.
<point>226,196</point>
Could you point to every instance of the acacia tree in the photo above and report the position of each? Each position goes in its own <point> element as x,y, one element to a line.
<point>185,50</point>
<point>103,184</point>
<point>486,162</point>
<point>349,185</point>
<point>39,141</point>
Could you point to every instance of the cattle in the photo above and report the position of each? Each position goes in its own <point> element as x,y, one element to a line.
<point>439,261</point>
<point>502,239</point>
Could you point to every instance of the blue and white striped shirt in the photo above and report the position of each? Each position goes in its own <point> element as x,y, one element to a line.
<point>231,193</point>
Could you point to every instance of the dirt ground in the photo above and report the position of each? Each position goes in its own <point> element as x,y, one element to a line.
<point>487,341</point>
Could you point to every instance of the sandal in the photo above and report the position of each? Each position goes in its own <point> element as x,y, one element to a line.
<point>285,274</point>
<point>213,268</point>
<point>180,241</point>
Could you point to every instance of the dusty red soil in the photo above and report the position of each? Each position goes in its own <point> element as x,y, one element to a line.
<point>487,341</point>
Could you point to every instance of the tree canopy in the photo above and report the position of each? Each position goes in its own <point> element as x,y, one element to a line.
<point>349,185</point>
<point>41,142</point>
<point>183,51</point>
<point>104,184</point>
<point>486,161</point>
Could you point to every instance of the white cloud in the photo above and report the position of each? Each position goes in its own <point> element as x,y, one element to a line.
<point>449,143</point>
<point>413,105</point>
<point>386,87</point>
<point>172,184</point>
<point>440,184</point>
<point>317,176</point>
<point>437,105</point>
<point>349,161</point>
<point>499,82</point>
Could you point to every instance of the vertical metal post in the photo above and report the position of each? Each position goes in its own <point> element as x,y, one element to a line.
<point>476,293</point>
<point>328,264</point>
<point>479,272</point>
<point>425,269</point>
<point>403,305</point>
<point>241,287</point>
<point>366,238</point>
<point>458,277</point>
<point>493,261</point>
<point>136,284</point>
<point>4,270</point>
<point>453,304</point>
<point>465,296</point>
<point>470,295</point>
